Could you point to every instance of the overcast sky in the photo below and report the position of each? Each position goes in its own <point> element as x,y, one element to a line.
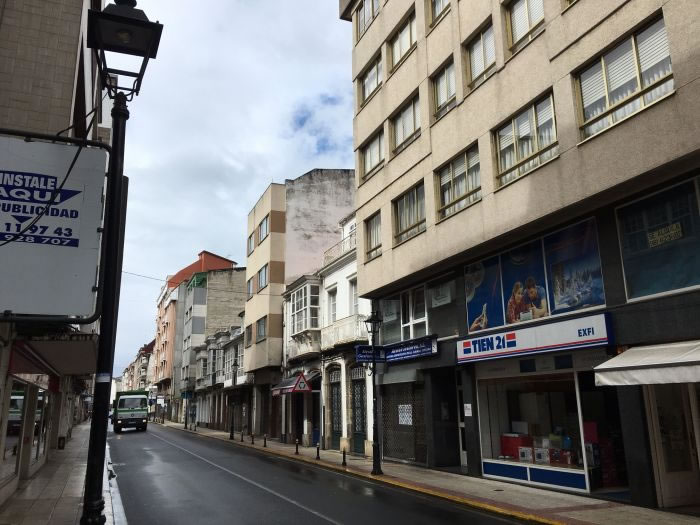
<point>242,93</point>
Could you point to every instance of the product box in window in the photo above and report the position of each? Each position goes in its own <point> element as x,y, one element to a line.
<point>511,442</point>
<point>525,454</point>
<point>542,456</point>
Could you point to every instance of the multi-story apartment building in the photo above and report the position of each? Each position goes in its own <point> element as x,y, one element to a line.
<point>527,202</point>
<point>288,229</point>
<point>214,301</point>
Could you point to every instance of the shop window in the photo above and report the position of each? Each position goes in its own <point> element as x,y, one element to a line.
<point>441,300</point>
<point>531,420</point>
<point>42,419</point>
<point>15,419</point>
<point>660,238</point>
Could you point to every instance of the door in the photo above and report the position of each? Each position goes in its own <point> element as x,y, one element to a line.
<point>463,410</point>
<point>675,444</point>
<point>336,416</point>
<point>359,415</point>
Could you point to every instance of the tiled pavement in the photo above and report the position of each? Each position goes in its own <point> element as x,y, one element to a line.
<point>54,496</point>
<point>530,503</point>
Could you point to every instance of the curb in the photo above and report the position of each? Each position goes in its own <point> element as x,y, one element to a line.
<point>387,480</point>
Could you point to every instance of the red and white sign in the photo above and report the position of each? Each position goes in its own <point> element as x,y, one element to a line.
<point>583,332</point>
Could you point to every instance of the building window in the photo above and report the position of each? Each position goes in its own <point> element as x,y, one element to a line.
<point>264,229</point>
<point>624,80</point>
<point>373,153</point>
<point>404,316</point>
<point>444,86</point>
<point>526,18</point>
<point>482,57</point>
<point>366,12</point>
<point>249,335</point>
<point>527,140</point>
<point>332,299</point>
<point>403,41</point>
<point>409,213</point>
<point>262,277</point>
<point>261,329</point>
<point>437,7</point>
<point>373,227</point>
<point>371,79</point>
<point>251,243</point>
<point>240,355</point>
<point>249,288</point>
<point>660,238</point>
<point>353,297</point>
<point>460,183</point>
<point>406,123</point>
<point>305,308</point>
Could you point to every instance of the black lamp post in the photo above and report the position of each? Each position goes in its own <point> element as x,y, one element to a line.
<point>373,324</point>
<point>234,368</point>
<point>120,28</point>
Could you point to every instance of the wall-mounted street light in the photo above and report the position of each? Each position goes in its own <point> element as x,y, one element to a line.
<point>374,324</point>
<point>119,28</point>
<point>234,368</point>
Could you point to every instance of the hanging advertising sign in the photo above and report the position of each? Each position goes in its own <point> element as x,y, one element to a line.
<point>49,227</point>
<point>420,347</point>
<point>584,332</point>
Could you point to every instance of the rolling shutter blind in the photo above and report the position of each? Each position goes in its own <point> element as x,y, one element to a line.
<point>489,48</point>
<point>536,11</point>
<point>620,67</point>
<point>476,58</point>
<point>518,20</point>
<point>652,44</point>
<point>592,89</point>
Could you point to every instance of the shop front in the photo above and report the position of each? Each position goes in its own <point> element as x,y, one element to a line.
<point>301,415</point>
<point>542,420</point>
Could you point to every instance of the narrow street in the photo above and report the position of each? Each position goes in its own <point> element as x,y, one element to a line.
<point>167,476</point>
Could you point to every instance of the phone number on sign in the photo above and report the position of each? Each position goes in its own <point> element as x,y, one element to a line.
<point>40,239</point>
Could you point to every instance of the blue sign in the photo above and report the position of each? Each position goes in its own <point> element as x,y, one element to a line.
<point>421,347</point>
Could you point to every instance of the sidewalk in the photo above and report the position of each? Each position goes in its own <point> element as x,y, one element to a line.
<point>508,499</point>
<point>54,496</point>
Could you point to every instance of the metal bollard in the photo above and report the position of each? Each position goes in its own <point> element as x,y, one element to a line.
<point>344,462</point>
<point>252,439</point>
<point>241,436</point>
<point>318,448</point>
<point>297,448</point>
<point>264,440</point>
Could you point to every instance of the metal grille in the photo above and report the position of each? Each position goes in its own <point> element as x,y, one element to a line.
<point>403,419</point>
<point>334,375</point>
<point>357,373</point>
<point>336,416</point>
<point>359,415</point>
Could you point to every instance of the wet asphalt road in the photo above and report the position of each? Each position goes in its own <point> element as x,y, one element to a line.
<point>171,477</point>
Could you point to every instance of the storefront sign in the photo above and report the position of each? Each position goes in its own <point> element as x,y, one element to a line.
<point>421,347</point>
<point>583,332</point>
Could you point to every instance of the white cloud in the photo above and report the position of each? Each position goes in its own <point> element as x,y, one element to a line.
<point>217,120</point>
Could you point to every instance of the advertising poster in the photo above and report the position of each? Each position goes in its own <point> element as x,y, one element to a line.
<point>524,293</point>
<point>574,274</point>
<point>484,296</point>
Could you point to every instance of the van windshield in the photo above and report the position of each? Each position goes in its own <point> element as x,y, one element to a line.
<point>132,402</point>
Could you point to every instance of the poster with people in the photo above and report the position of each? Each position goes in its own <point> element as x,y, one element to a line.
<point>574,274</point>
<point>524,293</point>
<point>484,296</point>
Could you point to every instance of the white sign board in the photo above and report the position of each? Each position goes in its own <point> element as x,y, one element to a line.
<point>51,268</point>
<point>584,332</point>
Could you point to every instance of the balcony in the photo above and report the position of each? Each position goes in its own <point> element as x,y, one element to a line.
<point>348,244</point>
<point>344,331</point>
<point>202,383</point>
<point>303,344</point>
<point>187,383</point>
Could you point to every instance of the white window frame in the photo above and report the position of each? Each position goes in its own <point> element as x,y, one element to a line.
<point>418,225</point>
<point>408,27</point>
<point>447,72</point>
<point>264,229</point>
<point>407,119</point>
<point>375,250</point>
<point>305,315</point>
<point>332,305</point>
<point>410,322</point>
<point>354,301</point>
<point>374,145</point>
<point>485,35</point>
<point>472,183</point>
<point>376,68</point>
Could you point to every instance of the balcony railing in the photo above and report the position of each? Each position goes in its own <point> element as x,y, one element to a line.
<point>348,244</point>
<point>347,330</point>
<point>307,344</point>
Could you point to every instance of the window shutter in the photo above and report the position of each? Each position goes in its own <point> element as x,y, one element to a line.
<point>476,58</point>
<point>518,20</point>
<point>450,81</point>
<point>458,165</point>
<point>652,44</point>
<point>445,176</point>
<point>620,66</point>
<point>505,136</point>
<point>592,88</point>
<point>416,114</point>
<point>536,11</point>
<point>544,111</point>
<point>489,48</point>
<point>522,125</point>
<point>472,158</point>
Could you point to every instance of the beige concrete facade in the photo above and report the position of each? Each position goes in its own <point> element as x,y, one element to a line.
<point>583,174</point>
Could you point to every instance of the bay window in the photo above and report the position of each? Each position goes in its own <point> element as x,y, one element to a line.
<point>625,79</point>
<point>527,140</point>
<point>304,308</point>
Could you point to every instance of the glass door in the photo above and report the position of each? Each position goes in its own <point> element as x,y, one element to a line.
<point>675,444</point>
<point>463,410</point>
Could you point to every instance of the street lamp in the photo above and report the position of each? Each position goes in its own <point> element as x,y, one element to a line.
<point>234,368</point>
<point>373,324</point>
<point>120,28</point>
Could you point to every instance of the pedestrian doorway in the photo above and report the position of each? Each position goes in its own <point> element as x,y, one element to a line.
<point>298,414</point>
<point>675,423</point>
<point>403,418</point>
<point>359,409</point>
<point>336,408</point>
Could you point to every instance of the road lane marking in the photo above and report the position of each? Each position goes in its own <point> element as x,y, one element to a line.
<point>250,481</point>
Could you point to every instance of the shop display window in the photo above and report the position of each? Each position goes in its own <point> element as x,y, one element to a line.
<point>531,420</point>
<point>15,418</point>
